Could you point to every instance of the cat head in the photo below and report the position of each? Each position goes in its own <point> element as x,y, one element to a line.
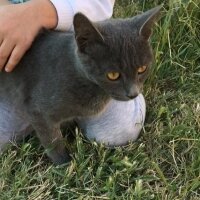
<point>115,53</point>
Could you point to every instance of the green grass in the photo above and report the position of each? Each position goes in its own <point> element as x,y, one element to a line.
<point>164,163</point>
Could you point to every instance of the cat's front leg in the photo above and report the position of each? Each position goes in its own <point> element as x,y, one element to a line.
<point>51,139</point>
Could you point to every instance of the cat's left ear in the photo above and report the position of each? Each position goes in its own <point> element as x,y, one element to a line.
<point>85,32</point>
<point>147,20</point>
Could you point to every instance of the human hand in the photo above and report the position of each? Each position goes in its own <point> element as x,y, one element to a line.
<point>20,24</point>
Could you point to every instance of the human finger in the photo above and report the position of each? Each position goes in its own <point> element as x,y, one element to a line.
<point>14,58</point>
<point>5,51</point>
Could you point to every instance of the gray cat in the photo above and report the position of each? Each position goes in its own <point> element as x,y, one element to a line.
<point>63,77</point>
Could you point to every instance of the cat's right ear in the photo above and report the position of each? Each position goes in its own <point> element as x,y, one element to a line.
<point>85,32</point>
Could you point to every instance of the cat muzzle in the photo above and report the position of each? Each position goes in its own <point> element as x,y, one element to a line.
<point>133,92</point>
<point>123,98</point>
<point>132,96</point>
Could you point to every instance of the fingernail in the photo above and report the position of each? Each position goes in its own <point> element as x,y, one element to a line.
<point>7,69</point>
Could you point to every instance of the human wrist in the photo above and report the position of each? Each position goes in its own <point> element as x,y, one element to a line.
<point>44,12</point>
<point>4,2</point>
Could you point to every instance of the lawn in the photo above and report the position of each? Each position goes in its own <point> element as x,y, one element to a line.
<point>164,163</point>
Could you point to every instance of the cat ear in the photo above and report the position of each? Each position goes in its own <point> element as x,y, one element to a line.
<point>147,20</point>
<point>85,31</point>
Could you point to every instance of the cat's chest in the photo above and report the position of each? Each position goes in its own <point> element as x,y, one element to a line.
<point>74,97</point>
<point>88,98</point>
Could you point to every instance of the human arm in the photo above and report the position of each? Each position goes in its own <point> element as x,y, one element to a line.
<point>20,23</point>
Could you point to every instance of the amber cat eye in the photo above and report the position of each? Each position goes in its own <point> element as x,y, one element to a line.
<point>113,76</point>
<point>142,69</point>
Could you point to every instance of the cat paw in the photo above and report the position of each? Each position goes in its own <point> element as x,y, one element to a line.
<point>59,158</point>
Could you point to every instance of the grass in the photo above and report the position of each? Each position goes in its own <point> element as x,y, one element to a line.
<point>164,164</point>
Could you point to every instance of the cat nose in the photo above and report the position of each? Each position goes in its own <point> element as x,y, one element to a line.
<point>133,92</point>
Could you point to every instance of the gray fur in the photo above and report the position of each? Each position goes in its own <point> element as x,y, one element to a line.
<point>61,78</point>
